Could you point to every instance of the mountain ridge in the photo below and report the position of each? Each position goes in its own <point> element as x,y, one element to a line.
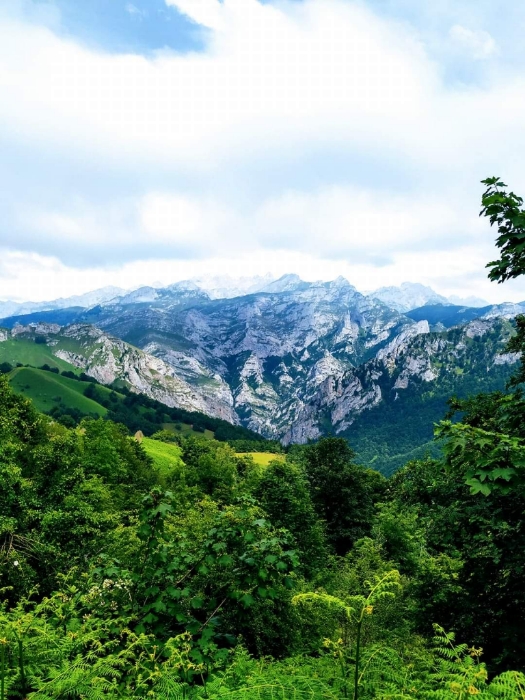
<point>407,296</point>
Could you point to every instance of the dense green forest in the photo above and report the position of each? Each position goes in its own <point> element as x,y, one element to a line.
<point>191,571</point>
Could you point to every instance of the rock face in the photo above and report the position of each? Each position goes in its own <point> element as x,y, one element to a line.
<point>416,358</point>
<point>293,359</point>
<point>36,329</point>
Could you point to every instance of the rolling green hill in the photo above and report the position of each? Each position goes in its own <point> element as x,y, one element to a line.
<point>26,352</point>
<point>48,390</point>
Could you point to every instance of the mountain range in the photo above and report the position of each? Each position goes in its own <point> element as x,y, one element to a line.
<point>404,298</point>
<point>291,361</point>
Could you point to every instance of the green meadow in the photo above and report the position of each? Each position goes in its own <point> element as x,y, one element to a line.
<point>47,390</point>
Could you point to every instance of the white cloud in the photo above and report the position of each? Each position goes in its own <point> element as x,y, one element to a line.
<point>270,78</point>
<point>183,155</point>
<point>478,43</point>
<point>337,221</point>
<point>39,278</point>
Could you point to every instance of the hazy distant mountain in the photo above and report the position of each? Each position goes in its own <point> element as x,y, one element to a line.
<point>86,301</point>
<point>404,298</point>
<point>408,296</point>
<point>476,302</point>
<point>287,283</point>
<point>174,295</point>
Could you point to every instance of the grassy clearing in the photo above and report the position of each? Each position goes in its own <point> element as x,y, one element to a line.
<point>262,458</point>
<point>166,457</point>
<point>27,352</point>
<point>47,390</point>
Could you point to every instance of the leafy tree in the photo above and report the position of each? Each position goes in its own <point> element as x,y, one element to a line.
<point>283,494</point>
<point>344,494</point>
<point>476,543</point>
<point>504,209</point>
<point>213,467</point>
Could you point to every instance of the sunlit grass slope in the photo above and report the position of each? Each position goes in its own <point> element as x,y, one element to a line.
<point>166,457</point>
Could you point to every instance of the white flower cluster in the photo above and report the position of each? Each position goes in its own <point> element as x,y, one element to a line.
<point>97,593</point>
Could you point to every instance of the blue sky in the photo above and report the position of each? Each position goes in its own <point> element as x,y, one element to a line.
<point>156,140</point>
<point>143,26</point>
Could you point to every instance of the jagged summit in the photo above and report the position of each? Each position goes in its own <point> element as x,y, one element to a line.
<point>163,296</point>
<point>184,286</point>
<point>406,297</point>
<point>140,295</point>
<point>341,282</point>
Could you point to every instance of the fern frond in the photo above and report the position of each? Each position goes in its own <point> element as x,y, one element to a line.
<point>508,686</point>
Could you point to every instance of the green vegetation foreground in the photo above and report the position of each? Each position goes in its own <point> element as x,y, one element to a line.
<point>178,568</point>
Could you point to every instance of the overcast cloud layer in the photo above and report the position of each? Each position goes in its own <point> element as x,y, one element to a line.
<point>322,137</point>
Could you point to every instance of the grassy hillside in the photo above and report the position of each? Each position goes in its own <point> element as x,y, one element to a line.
<point>27,352</point>
<point>48,390</point>
<point>166,457</point>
